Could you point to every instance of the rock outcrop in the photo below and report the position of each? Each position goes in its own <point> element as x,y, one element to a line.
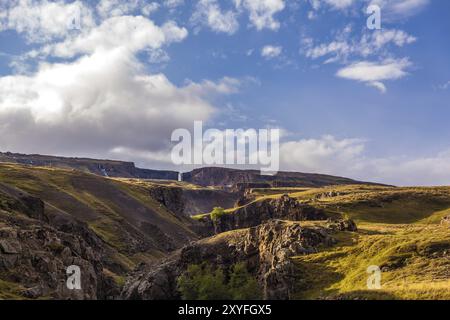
<point>266,250</point>
<point>187,202</point>
<point>36,256</point>
<point>342,225</point>
<point>255,213</point>
<point>36,248</point>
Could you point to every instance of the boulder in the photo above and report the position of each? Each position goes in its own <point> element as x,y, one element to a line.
<point>9,246</point>
<point>342,225</point>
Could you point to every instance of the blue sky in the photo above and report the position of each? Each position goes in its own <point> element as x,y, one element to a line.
<point>368,104</point>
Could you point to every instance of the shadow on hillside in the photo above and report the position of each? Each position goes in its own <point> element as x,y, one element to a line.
<point>313,279</point>
<point>372,232</point>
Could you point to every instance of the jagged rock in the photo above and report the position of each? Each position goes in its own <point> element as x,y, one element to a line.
<point>342,225</point>
<point>33,293</point>
<point>275,243</point>
<point>35,254</point>
<point>266,249</point>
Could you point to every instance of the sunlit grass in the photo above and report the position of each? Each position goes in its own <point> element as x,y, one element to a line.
<point>414,260</point>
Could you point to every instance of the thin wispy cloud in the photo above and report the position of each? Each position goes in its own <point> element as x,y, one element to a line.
<point>375,73</point>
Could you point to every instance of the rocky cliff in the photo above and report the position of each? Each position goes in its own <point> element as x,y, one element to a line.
<point>255,213</point>
<point>266,250</point>
<point>232,178</point>
<point>35,254</point>
<point>187,202</point>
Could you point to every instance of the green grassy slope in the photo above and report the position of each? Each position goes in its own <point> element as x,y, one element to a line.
<point>414,261</point>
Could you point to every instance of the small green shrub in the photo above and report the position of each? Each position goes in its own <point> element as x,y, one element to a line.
<point>217,213</point>
<point>242,285</point>
<point>203,282</point>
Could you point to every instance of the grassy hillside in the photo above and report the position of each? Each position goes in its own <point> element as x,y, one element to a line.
<point>121,213</point>
<point>374,204</point>
<point>414,261</point>
<point>382,204</point>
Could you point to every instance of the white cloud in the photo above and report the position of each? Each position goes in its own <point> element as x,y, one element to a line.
<point>338,48</point>
<point>209,13</point>
<point>378,85</point>
<point>335,4</point>
<point>43,21</point>
<point>345,48</point>
<point>173,3</point>
<point>391,9</point>
<point>381,38</point>
<point>328,154</point>
<point>399,9</point>
<point>262,12</point>
<point>99,104</point>
<point>373,73</point>
<point>113,8</point>
<point>371,43</point>
<point>150,8</point>
<point>270,52</point>
<point>135,33</point>
<point>340,4</point>
<point>347,157</point>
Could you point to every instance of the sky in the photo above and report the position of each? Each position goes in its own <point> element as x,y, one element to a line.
<point>114,78</point>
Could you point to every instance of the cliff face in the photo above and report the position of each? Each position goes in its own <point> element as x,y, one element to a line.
<point>219,177</point>
<point>235,179</point>
<point>265,249</point>
<point>205,200</point>
<point>169,197</point>
<point>255,213</point>
<point>189,202</point>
